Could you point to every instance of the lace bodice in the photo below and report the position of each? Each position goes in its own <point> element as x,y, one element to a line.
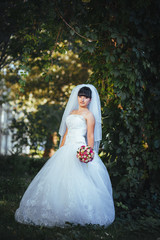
<point>77,129</point>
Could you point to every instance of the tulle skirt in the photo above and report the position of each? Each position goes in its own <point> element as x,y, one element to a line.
<point>67,190</point>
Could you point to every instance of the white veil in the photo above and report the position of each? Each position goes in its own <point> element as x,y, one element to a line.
<point>94,106</point>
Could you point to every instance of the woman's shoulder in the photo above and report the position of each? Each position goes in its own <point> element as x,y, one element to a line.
<point>90,116</point>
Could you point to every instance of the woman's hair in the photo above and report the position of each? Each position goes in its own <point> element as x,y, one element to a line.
<point>85,91</point>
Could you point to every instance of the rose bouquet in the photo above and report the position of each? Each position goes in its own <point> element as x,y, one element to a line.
<point>85,154</point>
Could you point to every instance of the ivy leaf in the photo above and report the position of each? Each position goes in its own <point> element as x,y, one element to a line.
<point>116,73</point>
<point>157,143</point>
<point>91,49</point>
<point>107,58</point>
<point>72,32</point>
<point>112,58</point>
<point>119,40</point>
<point>21,90</point>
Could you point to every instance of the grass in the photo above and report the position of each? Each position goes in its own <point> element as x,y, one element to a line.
<point>13,185</point>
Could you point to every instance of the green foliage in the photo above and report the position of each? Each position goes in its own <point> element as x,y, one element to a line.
<point>119,41</point>
<point>35,129</point>
<point>125,65</point>
<point>39,91</point>
<point>16,165</point>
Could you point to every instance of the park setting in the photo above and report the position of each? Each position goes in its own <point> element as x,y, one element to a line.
<point>48,47</point>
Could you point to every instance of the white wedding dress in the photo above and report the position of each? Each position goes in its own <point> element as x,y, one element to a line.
<point>67,190</point>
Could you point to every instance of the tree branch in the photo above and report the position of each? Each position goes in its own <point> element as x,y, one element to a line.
<point>3,57</point>
<point>88,39</point>
<point>56,43</point>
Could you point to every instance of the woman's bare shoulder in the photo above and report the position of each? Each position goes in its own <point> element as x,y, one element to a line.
<point>90,116</point>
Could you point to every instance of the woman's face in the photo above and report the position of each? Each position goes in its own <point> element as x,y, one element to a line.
<point>83,101</point>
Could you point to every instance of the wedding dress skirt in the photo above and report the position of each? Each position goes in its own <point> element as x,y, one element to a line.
<point>67,190</point>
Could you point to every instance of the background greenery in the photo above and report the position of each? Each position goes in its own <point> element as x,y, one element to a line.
<point>113,45</point>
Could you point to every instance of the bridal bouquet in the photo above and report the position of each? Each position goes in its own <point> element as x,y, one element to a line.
<point>85,154</point>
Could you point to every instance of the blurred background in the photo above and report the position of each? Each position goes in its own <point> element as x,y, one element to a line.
<point>33,101</point>
<point>46,48</point>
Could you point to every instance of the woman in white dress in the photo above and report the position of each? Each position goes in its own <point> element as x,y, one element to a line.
<point>66,189</point>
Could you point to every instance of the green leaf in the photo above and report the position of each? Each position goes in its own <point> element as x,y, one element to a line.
<point>112,58</point>
<point>116,73</point>
<point>157,143</point>
<point>21,90</point>
<point>72,32</point>
<point>91,49</point>
<point>107,58</point>
<point>118,150</point>
<point>119,40</point>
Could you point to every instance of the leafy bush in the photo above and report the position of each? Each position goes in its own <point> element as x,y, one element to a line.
<point>17,165</point>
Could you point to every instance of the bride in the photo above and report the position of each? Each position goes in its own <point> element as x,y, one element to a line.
<point>65,189</point>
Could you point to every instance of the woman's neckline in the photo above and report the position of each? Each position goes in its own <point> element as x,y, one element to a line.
<point>74,114</point>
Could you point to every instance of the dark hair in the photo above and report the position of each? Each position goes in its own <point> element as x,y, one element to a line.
<point>85,91</point>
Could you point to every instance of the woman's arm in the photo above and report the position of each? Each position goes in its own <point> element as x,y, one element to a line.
<point>90,129</point>
<point>64,138</point>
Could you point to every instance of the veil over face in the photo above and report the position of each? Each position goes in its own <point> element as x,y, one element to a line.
<point>94,106</point>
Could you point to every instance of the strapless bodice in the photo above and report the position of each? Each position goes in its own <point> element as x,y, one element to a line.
<point>77,129</point>
<point>66,191</point>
